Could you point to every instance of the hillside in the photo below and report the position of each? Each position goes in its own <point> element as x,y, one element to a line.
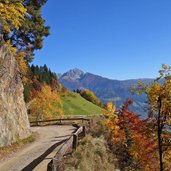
<point>74,104</point>
<point>105,89</point>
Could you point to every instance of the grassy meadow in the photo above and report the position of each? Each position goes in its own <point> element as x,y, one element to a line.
<point>74,104</point>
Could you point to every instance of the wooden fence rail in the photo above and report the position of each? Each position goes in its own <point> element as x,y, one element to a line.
<point>71,143</point>
<point>36,123</point>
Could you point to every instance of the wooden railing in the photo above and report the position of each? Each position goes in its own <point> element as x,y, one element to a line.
<point>70,144</point>
<point>59,121</point>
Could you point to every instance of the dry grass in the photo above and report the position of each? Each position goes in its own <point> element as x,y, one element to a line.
<point>8,150</point>
<point>93,153</point>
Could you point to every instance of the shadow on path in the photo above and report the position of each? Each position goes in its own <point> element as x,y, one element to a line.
<point>38,160</point>
<point>64,136</point>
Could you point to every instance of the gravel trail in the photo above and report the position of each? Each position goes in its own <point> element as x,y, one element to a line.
<point>32,155</point>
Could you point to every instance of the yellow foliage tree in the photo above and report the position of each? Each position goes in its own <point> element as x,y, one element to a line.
<point>159,96</point>
<point>22,64</point>
<point>112,123</point>
<point>90,96</point>
<point>159,99</point>
<point>46,104</point>
<point>11,14</point>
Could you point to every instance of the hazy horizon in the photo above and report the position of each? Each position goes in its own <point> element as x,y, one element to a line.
<point>102,75</point>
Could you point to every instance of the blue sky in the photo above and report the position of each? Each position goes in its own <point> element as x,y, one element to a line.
<point>118,39</point>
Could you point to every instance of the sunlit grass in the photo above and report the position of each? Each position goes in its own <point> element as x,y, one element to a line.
<point>74,104</point>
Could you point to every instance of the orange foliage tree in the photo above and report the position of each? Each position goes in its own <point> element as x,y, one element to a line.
<point>128,129</point>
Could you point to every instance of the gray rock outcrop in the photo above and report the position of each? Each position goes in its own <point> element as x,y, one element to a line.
<point>14,124</point>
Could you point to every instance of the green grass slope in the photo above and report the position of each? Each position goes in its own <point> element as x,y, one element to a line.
<point>74,104</point>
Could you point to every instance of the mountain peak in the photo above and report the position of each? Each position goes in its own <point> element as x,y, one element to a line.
<point>76,70</point>
<point>73,74</point>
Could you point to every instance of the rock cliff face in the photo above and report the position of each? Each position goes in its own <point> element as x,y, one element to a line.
<point>14,124</point>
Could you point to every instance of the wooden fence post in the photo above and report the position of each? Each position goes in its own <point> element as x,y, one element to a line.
<point>55,164</point>
<point>84,131</point>
<point>75,141</point>
<point>89,122</point>
<point>71,143</point>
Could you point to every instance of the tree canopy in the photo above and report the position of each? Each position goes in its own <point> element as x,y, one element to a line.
<point>46,104</point>
<point>22,24</point>
<point>11,15</point>
<point>159,101</point>
<point>90,96</point>
<point>38,77</point>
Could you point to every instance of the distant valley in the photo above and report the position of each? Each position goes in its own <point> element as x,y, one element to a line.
<point>105,89</point>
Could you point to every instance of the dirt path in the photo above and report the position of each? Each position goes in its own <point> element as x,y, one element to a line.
<point>41,151</point>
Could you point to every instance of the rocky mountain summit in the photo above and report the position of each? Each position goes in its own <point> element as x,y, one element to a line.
<point>14,124</point>
<point>73,75</point>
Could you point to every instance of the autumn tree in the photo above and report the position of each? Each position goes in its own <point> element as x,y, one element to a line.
<point>159,100</point>
<point>23,29</point>
<point>134,135</point>
<point>12,14</point>
<point>139,139</point>
<point>117,137</point>
<point>38,76</point>
<point>113,123</point>
<point>26,29</point>
<point>159,95</point>
<point>90,96</point>
<point>46,104</point>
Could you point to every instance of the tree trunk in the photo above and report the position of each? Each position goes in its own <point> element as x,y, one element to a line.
<point>159,132</point>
